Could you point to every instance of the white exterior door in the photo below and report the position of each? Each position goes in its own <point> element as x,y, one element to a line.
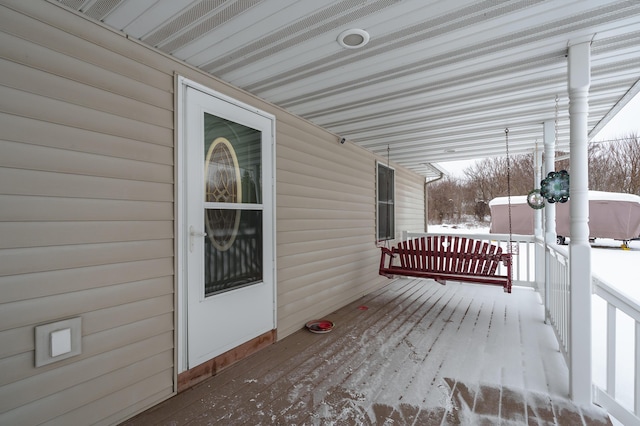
<point>228,227</point>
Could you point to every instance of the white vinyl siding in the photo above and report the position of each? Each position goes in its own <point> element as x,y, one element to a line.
<point>410,202</point>
<point>87,221</point>
<point>87,216</point>
<point>325,224</point>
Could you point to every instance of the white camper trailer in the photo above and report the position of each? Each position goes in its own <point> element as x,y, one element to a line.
<point>611,215</point>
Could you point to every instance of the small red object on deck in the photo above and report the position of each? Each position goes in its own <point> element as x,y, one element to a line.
<point>448,257</point>
<point>320,326</point>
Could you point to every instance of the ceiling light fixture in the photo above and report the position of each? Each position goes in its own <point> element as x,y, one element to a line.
<point>353,38</point>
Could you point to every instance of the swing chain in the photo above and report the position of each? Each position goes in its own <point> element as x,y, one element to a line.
<point>513,247</point>
<point>556,119</point>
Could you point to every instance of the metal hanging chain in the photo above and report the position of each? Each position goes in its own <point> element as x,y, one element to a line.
<point>513,249</point>
<point>538,167</point>
<point>556,120</point>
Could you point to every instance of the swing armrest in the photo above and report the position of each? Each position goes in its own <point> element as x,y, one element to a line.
<point>387,251</point>
<point>384,252</point>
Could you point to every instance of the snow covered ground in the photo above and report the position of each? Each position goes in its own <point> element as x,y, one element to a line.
<point>621,269</point>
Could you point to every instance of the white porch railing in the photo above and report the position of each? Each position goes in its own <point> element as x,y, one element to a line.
<point>557,303</point>
<point>621,400</point>
<point>621,328</point>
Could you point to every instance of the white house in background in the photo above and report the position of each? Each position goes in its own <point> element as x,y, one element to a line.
<point>166,166</point>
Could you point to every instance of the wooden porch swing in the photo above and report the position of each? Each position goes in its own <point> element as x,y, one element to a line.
<point>446,257</point>
<point>452,258</point>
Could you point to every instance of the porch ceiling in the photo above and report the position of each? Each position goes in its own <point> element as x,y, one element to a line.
<point>438,80</point>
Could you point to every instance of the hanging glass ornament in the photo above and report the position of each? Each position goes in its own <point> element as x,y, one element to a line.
<point>555,187</point>
<point>535,199</point>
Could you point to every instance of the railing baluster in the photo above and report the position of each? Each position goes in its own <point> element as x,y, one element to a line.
<point>527,266</point>
<point>611,350</point>
<point>636,367</point>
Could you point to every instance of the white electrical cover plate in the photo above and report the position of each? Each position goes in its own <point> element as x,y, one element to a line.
<point>58,340</point>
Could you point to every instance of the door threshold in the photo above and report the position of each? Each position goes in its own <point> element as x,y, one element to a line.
<point>207,369</point>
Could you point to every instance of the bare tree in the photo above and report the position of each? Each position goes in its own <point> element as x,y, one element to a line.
<point>481,176</point>
<point>613,167</point>
<point>497,177</point>
<point>445,200</point>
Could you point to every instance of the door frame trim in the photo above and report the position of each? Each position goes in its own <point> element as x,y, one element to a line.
<point>181,237</point>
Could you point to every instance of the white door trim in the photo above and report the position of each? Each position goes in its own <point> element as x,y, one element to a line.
<point>181,200</point>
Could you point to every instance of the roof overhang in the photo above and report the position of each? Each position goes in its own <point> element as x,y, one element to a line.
<point>437,80</point>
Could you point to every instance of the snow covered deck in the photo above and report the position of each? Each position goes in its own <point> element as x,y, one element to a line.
<point>412,353</point>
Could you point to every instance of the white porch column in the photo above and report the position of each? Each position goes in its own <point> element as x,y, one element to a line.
<point>550,209</point>
<point>579,248</point>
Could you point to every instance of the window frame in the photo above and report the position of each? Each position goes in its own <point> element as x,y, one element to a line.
<point>379,204</point>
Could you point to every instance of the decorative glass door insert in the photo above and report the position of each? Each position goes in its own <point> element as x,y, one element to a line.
<point>233,205</point>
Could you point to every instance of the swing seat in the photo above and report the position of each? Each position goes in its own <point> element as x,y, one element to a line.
<point>444,258</point>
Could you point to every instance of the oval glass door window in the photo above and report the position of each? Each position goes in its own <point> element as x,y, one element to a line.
<point>222,185</point>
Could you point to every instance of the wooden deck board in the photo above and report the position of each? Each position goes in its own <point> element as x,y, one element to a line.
<point>412,353</point>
